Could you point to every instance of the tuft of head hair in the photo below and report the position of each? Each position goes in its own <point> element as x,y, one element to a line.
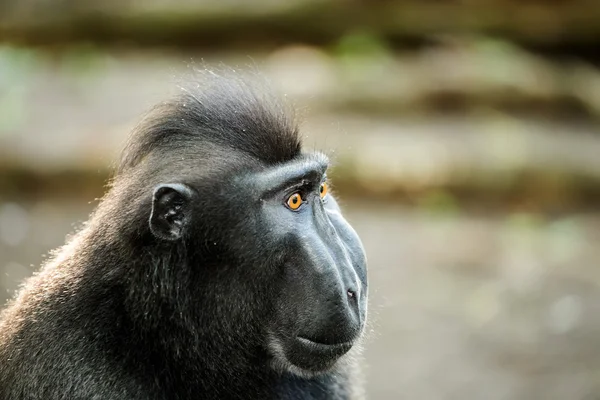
<point>227,110</point>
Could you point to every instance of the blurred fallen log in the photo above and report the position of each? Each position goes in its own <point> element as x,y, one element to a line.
<point>488,162</point>
<point>225,23</point>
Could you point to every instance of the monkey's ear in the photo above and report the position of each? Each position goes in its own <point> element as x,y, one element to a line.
<point>170,211</point>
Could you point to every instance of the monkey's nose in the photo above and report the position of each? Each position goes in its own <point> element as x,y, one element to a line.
<point>352,288</point>
<point>353,298</point>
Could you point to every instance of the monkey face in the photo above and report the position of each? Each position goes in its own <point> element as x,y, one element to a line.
<point>286,235</point>
<point>322,306</point>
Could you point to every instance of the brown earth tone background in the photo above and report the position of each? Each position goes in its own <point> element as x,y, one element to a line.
<point>466,147</point>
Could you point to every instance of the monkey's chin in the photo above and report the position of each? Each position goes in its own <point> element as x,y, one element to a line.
<point>306,358</point>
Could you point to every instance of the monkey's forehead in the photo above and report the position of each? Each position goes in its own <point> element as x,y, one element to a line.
<point>306,163</point>
<point>307,167</point>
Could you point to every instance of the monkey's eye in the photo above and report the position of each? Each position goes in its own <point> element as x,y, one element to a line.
<point>323,190</point>
<point>294,201</point>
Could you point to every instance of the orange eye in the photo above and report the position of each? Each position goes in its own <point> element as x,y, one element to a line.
<point>294,201</point>
<point>323,189</point>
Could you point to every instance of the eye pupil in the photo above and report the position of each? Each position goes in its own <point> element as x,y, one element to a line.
<point>294,201</point>
<point>323,190</point>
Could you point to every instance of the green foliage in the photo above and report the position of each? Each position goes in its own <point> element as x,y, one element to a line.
<point>16,65</point>
<point>439,203</point>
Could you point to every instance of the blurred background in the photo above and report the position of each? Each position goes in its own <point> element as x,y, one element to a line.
<point>466,151</point>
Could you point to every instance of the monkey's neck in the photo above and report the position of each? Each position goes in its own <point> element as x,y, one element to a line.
<point>330,386</point>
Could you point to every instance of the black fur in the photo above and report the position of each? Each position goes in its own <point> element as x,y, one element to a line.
<point>176,285</point>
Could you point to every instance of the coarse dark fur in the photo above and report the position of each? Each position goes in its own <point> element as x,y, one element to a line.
<point>200,308</point>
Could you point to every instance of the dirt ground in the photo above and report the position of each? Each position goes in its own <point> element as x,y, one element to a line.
<point>462,306</point>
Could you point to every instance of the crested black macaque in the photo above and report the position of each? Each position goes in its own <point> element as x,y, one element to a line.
<point>217,266</point>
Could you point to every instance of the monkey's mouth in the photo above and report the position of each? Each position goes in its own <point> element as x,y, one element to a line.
<point>314,357</point>
<point>306,357</point>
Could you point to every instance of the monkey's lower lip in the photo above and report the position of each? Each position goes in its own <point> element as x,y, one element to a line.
<point>316,347</point>
<point>314,356</point>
